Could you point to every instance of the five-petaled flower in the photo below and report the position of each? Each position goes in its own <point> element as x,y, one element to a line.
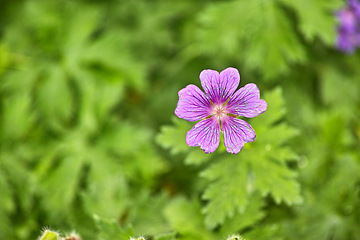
<point>348,38</point>
<point>219,110</point>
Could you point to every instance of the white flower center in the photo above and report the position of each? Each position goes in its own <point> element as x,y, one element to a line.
<point>219,111</point>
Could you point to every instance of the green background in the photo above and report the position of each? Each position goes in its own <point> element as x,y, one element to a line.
<point>89,141</point>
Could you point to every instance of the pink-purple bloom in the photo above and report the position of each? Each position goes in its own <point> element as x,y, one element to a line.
<point>348,38</point>
<point>218,110</point>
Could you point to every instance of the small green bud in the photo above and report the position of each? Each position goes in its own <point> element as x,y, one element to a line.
<point>50,235</point>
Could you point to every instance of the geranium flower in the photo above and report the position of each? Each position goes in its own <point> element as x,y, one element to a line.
<point>219,110</point>
<point>348,38</point>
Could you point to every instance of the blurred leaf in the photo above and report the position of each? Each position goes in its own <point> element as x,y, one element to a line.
<point>174,137</point>
<point>125,138</point>
<point>270,231</point>
<point>170,236</point>
<point>331,209</point>
<point>6,203</point>
<point>276,32</point>
<point>4,58</point>
<point>258,29</point>
<point>111,230</point>
<point>197,156</point>
<point>185,216</point>
<point>340,90</point>
<point>58,196</point>
<point>17,192</point>
<point>108,191</point>
<point>316,18</point>
<point>17,118</point>
<point>54,98</point>
<point>147,164</point>
<point>250,216</point>
<point>144,213</point>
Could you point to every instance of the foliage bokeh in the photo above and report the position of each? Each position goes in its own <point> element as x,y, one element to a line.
<point>89,142</point>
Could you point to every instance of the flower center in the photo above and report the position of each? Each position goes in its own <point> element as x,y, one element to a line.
<point>219,111</point>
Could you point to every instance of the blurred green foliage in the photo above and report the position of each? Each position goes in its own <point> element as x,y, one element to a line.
<point>89,142</point>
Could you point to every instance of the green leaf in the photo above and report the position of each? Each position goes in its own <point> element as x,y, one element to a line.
<point>124,138</point>
<point>197,156</point>
<point>108,191</point>
<point>109,95</point>
<point>270,155</point>
<point>147,164</point>
<point>332,208</point>
<point>228,192</point>
<point>261,166</point>
<point>126,69</point>
<point>6,202</point>
<point>144,213</point>
<point>266,232</point>
<point>185,217</point>
<point>275,31</point>
<point>173,137</point>
<point>4,58</point>
<point>54,98</point>
<point>78,32</point>
<point>109,229</point>
<point>259,30</point>
<point>17,115</point>
<point>275,109</point>
<point>252,214</point>
<point>58,196</point>
<point>17,187</point>
<point>169,236</point>
<point>316,18</point>
<point>278,180</point>
<point>132,142</point>
<point>337,81</point>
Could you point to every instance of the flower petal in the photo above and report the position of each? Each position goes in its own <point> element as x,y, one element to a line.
<point>237,132</point>
<point>193,105</point>
<point>219,87</point>
<point>246,102</point>
<point>209,81</point>
<point>205,134</point>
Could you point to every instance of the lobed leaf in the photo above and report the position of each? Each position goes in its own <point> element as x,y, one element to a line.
<point>173,138</point>
<point>261,166</point>
<point>316,18</point>
<point>109,229</point>
<point>179,212</point>
<point>228,193</point>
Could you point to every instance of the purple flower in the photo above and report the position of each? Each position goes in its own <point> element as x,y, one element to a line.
<point>219,110</point>
<point>349,28</point>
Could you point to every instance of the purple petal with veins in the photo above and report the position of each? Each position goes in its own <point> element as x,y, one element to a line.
<point>219,87</point>
<point>237,132</point>
<point>193,104</point>
<point>246,102</point>
<point>205,134</point>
